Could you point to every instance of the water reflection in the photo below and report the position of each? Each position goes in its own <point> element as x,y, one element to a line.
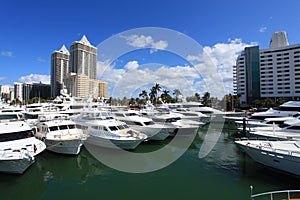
<point>225,173</point>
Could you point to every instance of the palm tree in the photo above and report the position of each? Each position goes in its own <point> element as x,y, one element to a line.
<point>144,95</point>
<point>197,96</point>
<point>165,95</point>
<point>155,89</point>
<point>206,99</point>
<point>176,92</point>
<point>152,95</point>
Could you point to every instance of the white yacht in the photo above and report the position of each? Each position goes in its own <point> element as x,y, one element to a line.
<point>105,131</point>
<point>60,134</point>
<point>192,115</point>
<point>282,155</point>
<point>32,112</point>
<point>267,122</point>
<point>153,130</point>
<point>290,129</point>
<point>183,127</point>
<point>290,108</point>
<point>18,147</point>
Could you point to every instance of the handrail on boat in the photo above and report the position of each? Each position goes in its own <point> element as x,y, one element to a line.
<point>271,193</point>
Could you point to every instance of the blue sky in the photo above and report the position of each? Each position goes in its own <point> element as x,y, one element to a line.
<point>32,30</point>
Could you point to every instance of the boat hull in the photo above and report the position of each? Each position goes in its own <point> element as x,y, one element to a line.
<point>128,144</point>
<point>71,147</point>
<point>283,162</point>
<point>154,133</point>
<point>16,166</point>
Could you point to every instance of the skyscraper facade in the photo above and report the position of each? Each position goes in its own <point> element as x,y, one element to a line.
<point>77,70</point>
<point>59,70</point>
<point>83,59</point>
<point>268,73</point>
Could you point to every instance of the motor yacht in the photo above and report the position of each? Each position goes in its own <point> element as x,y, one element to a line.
<point>104,130</point>
<point>18,147</point>
<point>60,134</point>
<point>153,130</point>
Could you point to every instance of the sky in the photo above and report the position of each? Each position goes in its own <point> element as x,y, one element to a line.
<point>187,45</point>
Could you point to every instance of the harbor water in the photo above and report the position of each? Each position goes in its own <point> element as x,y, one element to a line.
<point>225,173</point>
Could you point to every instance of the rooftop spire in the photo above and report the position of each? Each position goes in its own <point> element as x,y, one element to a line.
<point>64,50</point>
<point>85,41</point>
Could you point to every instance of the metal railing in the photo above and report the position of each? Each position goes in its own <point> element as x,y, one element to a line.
<point>273,194</point>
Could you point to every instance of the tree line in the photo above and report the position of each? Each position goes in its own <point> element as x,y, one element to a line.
<point>157,95</point>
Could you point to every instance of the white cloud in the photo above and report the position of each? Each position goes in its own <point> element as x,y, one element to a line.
<point>35,78</point>
<point>217,62</point>
<point>7,53</point>
<point>262,29</point>
<point>3,78</point>
<point>40,59</point>
<point>142,41</point>
<point>211,71</point>
<point>132,65</point>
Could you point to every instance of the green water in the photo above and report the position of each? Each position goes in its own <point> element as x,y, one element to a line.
<point>225,173</point>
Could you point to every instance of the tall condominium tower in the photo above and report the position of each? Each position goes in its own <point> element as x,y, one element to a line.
<point>268,73</point>
<point>83,58</point>
<point>77,71</point>
<point>59,70</point>
<point>279,39</point>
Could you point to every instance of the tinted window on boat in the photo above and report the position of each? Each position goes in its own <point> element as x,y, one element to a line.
<point>294,127</point>
<point>113,128</point>
<point>138,123</point>
<point>31,116</point>
<point>71,126</point>
<point>63,127</point>
<point>9,117</point>
<point>125,126</point>
<point>53,128</point>
<point>15,136</point>
<point>149,123</point>
<point>120,127</point>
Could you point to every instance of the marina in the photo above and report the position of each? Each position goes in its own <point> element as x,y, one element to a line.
<point>225,173</point>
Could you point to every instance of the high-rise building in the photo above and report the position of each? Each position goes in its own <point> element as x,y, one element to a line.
<point>84,86</point>
<point>279,39</point>
<point>18,90</point>
<point>268,73</point>
<point>59,70</point>
<point>80,78</point>
<point>83,58</point>
<point>32,90</point>
<point>7,92</point>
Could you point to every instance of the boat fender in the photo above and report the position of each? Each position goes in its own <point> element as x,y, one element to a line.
<point>34,148</point>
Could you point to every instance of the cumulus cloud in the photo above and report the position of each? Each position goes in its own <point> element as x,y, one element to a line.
<point>211,71</point>
<point>219,60</point>
<point>142,41</point>
<point>35,78</point>
<point>132,65</point>
<point>7,53</point>
<point>262,29</point>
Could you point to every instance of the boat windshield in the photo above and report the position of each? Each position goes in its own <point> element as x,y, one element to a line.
<point>15,136</point>
<point>113,128</point>
<point>9,117</point>
<point>63,127</point>
<point>133,114</point>
<point>71,126</point>
<point>149,123</point>
<point>53,128</point>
